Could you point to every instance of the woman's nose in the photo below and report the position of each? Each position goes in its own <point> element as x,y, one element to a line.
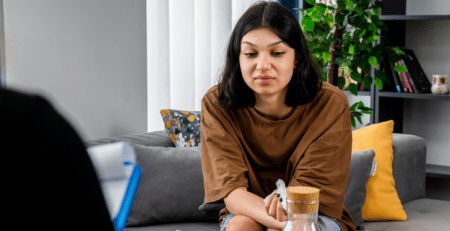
<point>263,63</point>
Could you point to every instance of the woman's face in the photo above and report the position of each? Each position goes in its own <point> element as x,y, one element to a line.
<point>267,63</point>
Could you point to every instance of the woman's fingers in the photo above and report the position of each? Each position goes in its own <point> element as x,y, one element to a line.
<point>273,206</point>
<point>269,202</point>
<point>281,214</point>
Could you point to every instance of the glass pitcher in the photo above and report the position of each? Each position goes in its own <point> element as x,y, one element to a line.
<point>303,209</point>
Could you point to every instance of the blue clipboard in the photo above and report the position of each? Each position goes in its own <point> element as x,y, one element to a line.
<point>121,219</point>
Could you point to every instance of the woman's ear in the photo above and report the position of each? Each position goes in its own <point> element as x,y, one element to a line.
<point>297,58</point>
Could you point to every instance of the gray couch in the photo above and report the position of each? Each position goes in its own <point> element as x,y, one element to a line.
<point>170,192</point>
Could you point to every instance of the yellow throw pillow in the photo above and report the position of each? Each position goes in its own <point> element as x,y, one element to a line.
<point>382,201</point>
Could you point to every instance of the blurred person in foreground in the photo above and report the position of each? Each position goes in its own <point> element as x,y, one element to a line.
<point>50,181</point>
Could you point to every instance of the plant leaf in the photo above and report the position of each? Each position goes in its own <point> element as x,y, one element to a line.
<point>353,88</point>
<point>350,5</point>
<point>400,68</point>
<point>353,121</point>
<point>359,119</point>
<point>393,57</point>
<point>373,61</point>
<point>359,11</point>
<point>326,57</point>
<point>382,76</point>
<point>309,24</point>
<point>375,19</point>
<point>377,11</point>
<point>351,49</point>
<point>341,82</point>
<point>363,46</point>
<point>320,7</point>
<point>360,104</point>
<point>356,76</point>
<point>383,26</point>
<point>380,4</point>
<point>362,33</point>
<point>368,82</point>
<point>339,17</point>
<point>345,22</point>
<point>398,50</point>
<point>379,84</point>
<point>310,2</point>
<point>353,107</point>
<point>366,112</point>
<point>375,37</point>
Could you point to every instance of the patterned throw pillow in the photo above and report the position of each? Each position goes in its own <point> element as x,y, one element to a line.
<point>182,126</point>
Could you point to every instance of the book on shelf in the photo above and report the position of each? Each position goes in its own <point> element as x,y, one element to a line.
<point>416,72</point>
<point>119,175</point>
<point>409,78</point>
<point>408,85</point>
<point>393,84</point>
<point>402,80</point>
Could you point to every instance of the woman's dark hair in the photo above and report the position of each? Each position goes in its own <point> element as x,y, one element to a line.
<point>306,80</point>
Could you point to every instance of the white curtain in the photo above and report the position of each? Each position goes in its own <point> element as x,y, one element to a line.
<point>186,43</point>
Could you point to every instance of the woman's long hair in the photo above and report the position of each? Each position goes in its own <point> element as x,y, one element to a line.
<point>306,80</point>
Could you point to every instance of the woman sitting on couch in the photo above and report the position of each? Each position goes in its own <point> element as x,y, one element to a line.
<point>271,117</point>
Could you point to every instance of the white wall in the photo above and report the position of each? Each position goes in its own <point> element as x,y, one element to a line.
<point>87,57</point>
<point>427,7</point>
<point>430,119</point>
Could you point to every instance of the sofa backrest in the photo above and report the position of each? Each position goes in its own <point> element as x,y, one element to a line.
<point>156,138</point>
<point>409,166</point>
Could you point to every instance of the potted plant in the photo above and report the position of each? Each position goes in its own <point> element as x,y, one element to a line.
<point>342,35</point>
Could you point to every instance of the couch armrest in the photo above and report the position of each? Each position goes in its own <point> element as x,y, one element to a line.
<point>409,166</point>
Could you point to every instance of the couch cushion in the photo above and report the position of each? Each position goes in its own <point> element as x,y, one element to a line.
<point>190,226</point>
<point>382,201</point>
<point>355,194</point>
<point>423,214</point>
<point>409,166</point>
<point>171,186</point>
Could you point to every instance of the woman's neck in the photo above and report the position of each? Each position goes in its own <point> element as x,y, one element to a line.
<point>273,106</point>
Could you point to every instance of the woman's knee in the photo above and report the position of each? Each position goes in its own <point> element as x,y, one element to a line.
<point>240,222</point>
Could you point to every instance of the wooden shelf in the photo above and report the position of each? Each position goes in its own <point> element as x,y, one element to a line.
<point>413,96</point>
<point>414,17</point>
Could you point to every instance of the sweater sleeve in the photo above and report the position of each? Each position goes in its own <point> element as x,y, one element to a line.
<point>322,159</point>
<point>223,163</point>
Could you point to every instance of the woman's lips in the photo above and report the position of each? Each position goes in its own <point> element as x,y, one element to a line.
<point>265,80</point>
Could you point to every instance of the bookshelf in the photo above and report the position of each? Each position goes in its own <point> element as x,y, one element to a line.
<point>389,105</point>
<point>393,105</point>
<point>417,119</point>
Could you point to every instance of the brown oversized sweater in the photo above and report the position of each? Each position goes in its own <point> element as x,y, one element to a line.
<point>311,147</point>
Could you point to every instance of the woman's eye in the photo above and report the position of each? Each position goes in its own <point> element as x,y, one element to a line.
<point>250,54</point>
<point>279,53</point>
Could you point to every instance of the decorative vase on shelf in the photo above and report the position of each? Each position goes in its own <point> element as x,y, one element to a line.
<point>440,85</point>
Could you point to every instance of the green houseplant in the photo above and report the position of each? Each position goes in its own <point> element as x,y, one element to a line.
<point>343,35</point>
